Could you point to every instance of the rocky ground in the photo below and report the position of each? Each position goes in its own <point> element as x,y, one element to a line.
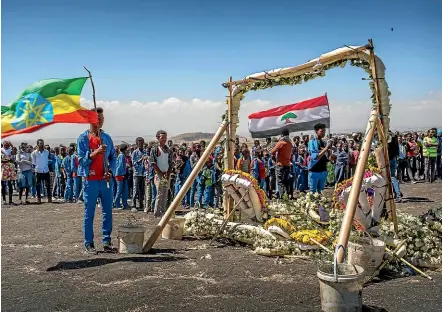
<point>44,269</point>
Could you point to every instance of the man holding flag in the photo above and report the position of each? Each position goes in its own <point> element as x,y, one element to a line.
<point>92,145</point>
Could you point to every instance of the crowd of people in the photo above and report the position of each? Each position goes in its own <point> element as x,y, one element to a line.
<point>146,176</point>
<point>280,166</point>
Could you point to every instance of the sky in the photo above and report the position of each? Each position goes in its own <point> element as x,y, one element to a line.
<point>160,64</point>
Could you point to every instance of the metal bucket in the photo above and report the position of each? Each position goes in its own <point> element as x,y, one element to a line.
<point>366,252</point>
<point>130,239</point>
<point>174,229</point>
<point>341,287</point>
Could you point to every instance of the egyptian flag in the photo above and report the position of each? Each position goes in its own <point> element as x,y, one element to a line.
<point>296,117</point>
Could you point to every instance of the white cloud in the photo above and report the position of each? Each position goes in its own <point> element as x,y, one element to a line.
<point>176,116</point>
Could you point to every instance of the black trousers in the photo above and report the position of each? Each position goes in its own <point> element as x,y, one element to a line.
<point>138,191</point>
<point>10,190</point>
<point>47,180</point>
<point>282,178</point>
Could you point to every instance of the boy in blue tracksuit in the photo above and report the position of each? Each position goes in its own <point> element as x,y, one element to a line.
<point>58,175</point>
<point>92,145</point>
<point>67,172</point>
<point>77,181</point>
<point>196,186</point>
<point>208,179</point>
<point>183,169</point>
<point>121,178</point>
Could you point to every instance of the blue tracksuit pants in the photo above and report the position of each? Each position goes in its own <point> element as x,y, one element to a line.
<point>122,194</point>
<point>316,181</point>
<point>91,192</point>
<point>209,195</point>
<point>77,188</point>
<point>68,191</point>
<point>178,185</point>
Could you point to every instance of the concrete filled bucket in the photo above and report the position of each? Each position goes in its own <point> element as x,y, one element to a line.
<point>341,287</point>
<point>174,229</point>
<point>367,253</point>
<point>131,239</point>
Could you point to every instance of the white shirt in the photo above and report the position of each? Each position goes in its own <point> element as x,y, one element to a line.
<point>24,161</point>
<point>7,152</point>
<point>40,161</point>
<point>163,160</point>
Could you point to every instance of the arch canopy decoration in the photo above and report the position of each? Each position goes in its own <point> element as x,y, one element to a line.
<point>354,55</point>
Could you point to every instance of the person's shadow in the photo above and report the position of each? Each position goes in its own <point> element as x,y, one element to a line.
<point>153,256</point>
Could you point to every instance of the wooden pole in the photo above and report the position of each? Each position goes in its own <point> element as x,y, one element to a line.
<point>179,197</point>
<point>391,206</point>
<point>230,148</point>
<point>353,197</point>
<point>325,59</point>
<point>382,135</point>
<point>106,169</point>
<point>227,219</point>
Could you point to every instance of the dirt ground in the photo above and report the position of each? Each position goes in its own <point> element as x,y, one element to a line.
<point>44,269</point>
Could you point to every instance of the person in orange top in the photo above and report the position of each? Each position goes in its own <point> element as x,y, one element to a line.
<point>244,162</point>
<point>283,151</point>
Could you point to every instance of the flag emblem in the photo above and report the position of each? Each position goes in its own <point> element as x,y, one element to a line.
<point>32,110</point>
<point>286,117</point>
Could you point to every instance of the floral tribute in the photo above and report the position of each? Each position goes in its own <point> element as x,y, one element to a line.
<point>246,176</point>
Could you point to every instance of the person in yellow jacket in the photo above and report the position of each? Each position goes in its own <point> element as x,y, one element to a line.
<point>430,145</point>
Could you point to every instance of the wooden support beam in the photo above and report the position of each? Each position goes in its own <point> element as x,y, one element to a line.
<point>382,135</point>
<point>231,130</point>
<point>325,59</point>
<point>183,191</point>
<point>353,197</point>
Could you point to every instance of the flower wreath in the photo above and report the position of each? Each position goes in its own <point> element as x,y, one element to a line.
<point>341,187</point>
<point>246,176</point>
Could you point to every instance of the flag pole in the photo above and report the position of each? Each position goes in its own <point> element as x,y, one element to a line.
<point>106,169</point>
<point>329,115</point>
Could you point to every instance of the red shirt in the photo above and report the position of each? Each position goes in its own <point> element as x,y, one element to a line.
<point>96,169</point>
<point>284,149</point>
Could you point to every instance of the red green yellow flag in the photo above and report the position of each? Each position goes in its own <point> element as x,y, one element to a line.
<point>44,103</point>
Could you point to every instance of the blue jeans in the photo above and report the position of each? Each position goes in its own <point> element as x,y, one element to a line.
<point>396,188</point>
<point>77,188</point>
<point>154,192</point>
<point>393,166</point>
<point>301,181</point>
<point>316,181</point>
<point>92,190</point>
<point>178,185</point>
<point>122,194</point>
<point>200,192</point>
<point>68,194</point>
<point>209,195</point>
<point>192,193</point>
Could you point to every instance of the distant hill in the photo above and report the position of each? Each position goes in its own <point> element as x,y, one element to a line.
<point>192,137</point>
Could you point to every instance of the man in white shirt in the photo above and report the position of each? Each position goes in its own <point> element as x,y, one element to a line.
<point>40,160</point>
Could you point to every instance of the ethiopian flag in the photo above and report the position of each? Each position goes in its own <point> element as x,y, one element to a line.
<point>44,103</point>
<point>296,117</point>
